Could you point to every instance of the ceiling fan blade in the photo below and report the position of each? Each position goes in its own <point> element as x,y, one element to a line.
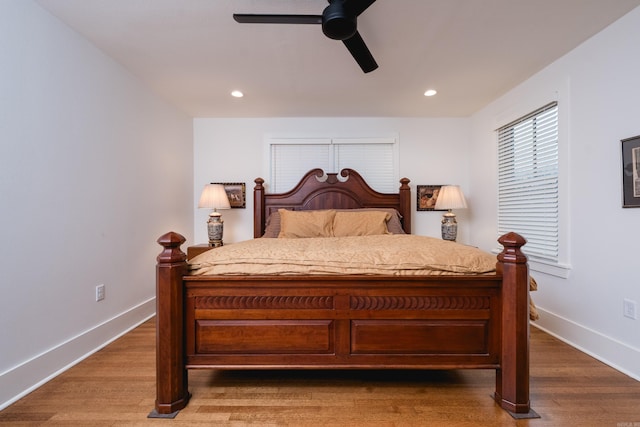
<point>360,53</point>
<point>356,7</point>
<point>245,18</point>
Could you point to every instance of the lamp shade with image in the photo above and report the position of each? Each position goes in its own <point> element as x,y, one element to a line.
<point>450,197</point>
<point>214,197</point>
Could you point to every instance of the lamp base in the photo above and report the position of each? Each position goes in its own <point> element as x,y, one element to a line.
<point>215,229</point>
<point>449,227</point>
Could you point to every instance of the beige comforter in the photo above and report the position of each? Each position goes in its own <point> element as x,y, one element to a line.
<point>383,254</point>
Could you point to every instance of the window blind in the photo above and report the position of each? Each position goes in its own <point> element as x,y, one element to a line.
<point>289,162</point>
<point>528,181</point>
<point>374,158</point>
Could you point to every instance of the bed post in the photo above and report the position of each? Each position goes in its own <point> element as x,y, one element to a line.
<point>172,392</point>
<point>405,204</point>
<point>512,378</point>
<point>258,208</point>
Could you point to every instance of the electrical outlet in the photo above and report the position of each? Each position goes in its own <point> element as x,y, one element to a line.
<point>99,292</point>
<point>629,309</point>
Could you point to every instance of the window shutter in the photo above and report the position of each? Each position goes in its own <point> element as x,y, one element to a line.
<point>528,181</point>
<point>374,158</point>
<point>289,162</point>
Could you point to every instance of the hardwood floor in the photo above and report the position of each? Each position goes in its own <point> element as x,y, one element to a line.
<point>116,387</point>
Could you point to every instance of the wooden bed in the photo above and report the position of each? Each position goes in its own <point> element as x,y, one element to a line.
<point>345,321</point>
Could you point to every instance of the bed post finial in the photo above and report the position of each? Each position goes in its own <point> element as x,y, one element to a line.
<point>512,378</point>
<point>172,392</point>
<point>512,242</point>
<point>171,243</point>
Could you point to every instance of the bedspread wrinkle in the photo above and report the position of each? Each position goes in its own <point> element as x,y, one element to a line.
<point>380,254</point>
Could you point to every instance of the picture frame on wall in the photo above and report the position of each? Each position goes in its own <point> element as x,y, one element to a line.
<point>427,197</point>
<point>236,192</point>
<point>631,172</point>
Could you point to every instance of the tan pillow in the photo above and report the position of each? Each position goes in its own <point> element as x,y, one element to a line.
<point>298,224</point>
<point>394,226</point>
<point>363,223</point>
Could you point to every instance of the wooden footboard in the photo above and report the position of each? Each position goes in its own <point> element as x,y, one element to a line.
<point>343,322</point>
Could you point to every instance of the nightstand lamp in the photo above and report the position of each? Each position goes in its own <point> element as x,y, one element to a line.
<point>214,197</point>
<point>450,197</point>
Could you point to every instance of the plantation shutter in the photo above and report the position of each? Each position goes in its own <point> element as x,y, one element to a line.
<point>291,160</point>
<point>374,158</point>
<point>528,181</point>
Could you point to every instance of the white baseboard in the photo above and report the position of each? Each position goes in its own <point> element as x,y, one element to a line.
<point>616,354</point>
<point>26,377</point>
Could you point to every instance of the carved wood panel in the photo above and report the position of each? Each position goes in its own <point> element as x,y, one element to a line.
<point>420,302</point>
<point>264,302</point>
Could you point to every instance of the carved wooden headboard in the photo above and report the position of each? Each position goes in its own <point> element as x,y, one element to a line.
<point>317,190</point>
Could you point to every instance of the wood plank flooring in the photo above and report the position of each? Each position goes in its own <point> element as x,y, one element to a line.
<point>116,387</point>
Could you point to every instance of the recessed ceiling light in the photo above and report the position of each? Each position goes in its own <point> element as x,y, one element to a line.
<point>430,92</point>
<point>237,94</point>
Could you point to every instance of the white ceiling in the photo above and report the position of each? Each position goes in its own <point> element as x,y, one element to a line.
<point>193,53</point>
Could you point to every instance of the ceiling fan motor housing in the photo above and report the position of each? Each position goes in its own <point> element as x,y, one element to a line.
<point>336,24</point>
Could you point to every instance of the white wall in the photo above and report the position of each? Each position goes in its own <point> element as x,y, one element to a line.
<point>93,169</point>
<point>432,151</point>
<point>598,88</point>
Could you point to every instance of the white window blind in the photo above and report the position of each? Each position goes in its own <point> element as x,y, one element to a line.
<point>290,161</point>
<point>374,158</point>
<point>528,181</point>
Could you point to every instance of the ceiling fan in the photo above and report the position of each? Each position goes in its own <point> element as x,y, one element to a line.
<point>339,22</point>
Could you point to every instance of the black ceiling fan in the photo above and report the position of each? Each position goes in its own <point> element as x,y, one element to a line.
<point>339,22</point>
